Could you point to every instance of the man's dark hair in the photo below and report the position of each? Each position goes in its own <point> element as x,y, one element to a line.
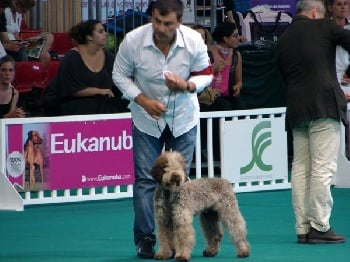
<point>167,6</point>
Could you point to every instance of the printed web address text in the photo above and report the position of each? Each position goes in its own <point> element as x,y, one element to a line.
<point>100,178</point>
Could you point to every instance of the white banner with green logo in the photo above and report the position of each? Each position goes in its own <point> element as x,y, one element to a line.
<point>255,150</point>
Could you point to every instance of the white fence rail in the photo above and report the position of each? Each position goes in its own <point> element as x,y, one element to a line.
<point>201,167</point>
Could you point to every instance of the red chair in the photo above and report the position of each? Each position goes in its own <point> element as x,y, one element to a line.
<point>30,80</point>
<point>29,75</point>
<point>61,43</point>
<point>52,69</point>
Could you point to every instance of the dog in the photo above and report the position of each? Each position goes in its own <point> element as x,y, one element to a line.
<point>33,156</point>
<point>177,200</point>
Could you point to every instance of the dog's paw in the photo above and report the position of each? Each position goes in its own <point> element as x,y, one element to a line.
<point>163,256</point>
<point>243,249</point>
<point>182,259</point>
<point>210,252</point>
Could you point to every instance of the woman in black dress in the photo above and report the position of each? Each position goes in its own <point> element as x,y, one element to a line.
<point>85,73</point>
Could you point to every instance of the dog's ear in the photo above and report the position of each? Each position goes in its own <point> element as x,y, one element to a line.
<point>157,170</point>
<point>30,134</point>
<point>157,173</point>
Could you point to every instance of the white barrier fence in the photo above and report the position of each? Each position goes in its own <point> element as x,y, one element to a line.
<point>253,156</point>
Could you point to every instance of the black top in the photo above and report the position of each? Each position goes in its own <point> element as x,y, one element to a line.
<point>3,22</point>
<point>74,75</point>
<point>306,56</point>
<point>5,108</point>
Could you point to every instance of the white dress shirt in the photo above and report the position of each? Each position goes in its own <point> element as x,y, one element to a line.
<point>139,68</point>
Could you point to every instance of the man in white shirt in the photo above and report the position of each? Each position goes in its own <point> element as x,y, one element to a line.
<point>3,4</point>
<point>160,67</point>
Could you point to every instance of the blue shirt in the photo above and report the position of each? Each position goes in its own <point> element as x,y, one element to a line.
<point>139,68</point>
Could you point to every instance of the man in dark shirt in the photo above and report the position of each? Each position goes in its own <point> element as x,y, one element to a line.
<point>315,108</point>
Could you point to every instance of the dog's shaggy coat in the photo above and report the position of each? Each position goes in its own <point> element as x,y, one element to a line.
<point>177,201</point>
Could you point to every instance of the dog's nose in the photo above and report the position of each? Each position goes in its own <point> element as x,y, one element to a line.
<point>175,178</point>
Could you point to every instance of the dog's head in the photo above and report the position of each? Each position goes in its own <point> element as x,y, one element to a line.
<point>34,137</point>
<point>169,170</point>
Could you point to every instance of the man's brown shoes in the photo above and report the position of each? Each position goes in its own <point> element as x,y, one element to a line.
<point>328,237</point>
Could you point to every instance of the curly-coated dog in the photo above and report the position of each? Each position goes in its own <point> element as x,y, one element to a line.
<point>178,200</point>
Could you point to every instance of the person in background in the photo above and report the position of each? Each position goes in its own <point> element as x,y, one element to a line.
<point>206,36</point>
<point>13,17</point>
<point>148,11</point>
<point>160,67</point>
<point>3,4</point>
<point>337,12</point>
<point>227,68</point>
<point>8,94</point>
<point>85,83</point>
<point>315,108</point>
<point>231,16</point>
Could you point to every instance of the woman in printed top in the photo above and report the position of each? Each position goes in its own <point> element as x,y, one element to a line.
<point>227,66</point>
<point>8,94</point>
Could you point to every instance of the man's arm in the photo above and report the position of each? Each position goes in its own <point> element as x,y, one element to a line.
<point>8,44</point>
<point>123,70</point>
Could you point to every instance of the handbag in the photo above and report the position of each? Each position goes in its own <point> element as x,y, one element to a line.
<point>208,95</point>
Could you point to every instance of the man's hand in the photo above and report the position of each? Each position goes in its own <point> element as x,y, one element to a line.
<point>153,107</point>
<point>173,82</point>
<point>345,80</point>
<point>14,46</point>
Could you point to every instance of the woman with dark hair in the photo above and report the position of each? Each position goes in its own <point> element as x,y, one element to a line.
<point>227,81</point>
<point>85,73</point>
<point>227,66</point>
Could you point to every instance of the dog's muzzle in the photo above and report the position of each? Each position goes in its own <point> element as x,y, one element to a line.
<point>175,179</point>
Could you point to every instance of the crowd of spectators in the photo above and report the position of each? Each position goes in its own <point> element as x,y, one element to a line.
<point>86,84</point>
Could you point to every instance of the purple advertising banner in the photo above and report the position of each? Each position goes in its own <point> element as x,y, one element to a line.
<point>277,5</point>
<point>67,155</point>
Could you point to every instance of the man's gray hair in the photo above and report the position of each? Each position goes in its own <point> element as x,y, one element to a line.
<point>307,5</point>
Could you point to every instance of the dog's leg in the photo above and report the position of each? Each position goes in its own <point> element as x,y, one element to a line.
<point>165,247</point>
<point>212,231</point>
<point>163,220</point>
<point>235,224</point>
<point>183,234</point>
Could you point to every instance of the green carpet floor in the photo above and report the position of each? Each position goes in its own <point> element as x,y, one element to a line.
<point>102,231</point>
